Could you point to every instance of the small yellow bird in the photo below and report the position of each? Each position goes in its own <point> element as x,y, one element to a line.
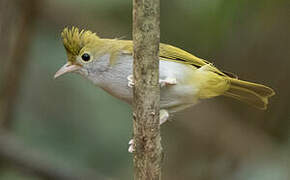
<point>184,78</point>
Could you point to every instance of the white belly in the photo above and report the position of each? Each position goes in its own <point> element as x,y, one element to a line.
<point>173,97</point>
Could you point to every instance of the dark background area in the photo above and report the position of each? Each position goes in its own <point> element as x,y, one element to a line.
<point>64,128</point>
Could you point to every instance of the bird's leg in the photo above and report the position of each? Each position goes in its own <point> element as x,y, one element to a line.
<point>164,115</point>
<point>163,82</point>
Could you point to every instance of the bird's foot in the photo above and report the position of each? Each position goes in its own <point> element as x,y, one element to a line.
<point>130,81</point>
<point>162,82</point>
<point>164,115</point>
<point>131,148</point>
<point>167,81</point>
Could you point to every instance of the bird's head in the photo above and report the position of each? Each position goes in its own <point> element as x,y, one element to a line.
<point>82,48</point>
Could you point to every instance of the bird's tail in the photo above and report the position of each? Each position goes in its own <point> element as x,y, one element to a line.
<point>251,93</point>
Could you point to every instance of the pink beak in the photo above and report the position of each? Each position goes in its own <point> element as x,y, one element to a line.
<point>68,67</point>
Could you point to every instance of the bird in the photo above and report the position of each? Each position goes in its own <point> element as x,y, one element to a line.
<point>184,78</point>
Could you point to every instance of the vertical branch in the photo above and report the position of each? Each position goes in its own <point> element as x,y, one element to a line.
<point>15,27</point>
<point>146,38</point>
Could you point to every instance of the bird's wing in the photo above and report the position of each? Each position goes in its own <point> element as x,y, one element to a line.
<point>171,53</point>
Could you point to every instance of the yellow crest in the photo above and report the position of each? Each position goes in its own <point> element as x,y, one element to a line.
<point>74,40</point>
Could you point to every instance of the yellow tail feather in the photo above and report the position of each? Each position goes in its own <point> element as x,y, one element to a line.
<point>251,93</point>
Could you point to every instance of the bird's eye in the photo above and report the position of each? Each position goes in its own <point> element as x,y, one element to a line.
<point>86,57</point>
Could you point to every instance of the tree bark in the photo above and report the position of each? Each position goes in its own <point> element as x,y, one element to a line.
<point>146,104</point>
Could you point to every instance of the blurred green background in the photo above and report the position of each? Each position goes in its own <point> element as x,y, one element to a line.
<point>68,123</point>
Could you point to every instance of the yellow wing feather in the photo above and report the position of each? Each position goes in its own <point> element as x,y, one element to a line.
<point>174,53</point>
<point>171,53</point>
